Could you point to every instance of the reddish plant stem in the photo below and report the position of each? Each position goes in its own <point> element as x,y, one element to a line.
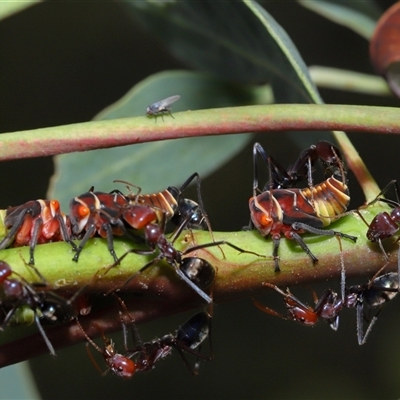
<point>105,134</point>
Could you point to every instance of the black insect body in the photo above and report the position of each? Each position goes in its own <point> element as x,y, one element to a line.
<point>25,303</point>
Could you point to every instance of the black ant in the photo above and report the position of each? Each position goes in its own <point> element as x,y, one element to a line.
<point>365,298</point>
<point>187,339</point>
<point>144,356</point>
<point>196,272</point>
<point>117,363</point>
<point>25,303</point>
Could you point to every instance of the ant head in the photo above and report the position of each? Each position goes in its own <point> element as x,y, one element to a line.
<point>381,227</point>
<point>122,366</point>
<point>5,271</point>
<point>13,288</point>
<point>152,233</point>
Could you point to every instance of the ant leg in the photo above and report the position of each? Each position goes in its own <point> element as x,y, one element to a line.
<point>393,182</point>
<point>219,243</point>
<point>200,292</point>
<point>383,250</point>
<point>44,335</point>
<point>149,264</point>
<point>342,271</point>
<point>89,353</point>
<point>267,310</point>
<point>200,200</point>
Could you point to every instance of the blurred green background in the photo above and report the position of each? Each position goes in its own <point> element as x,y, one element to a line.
<point>63,63</point>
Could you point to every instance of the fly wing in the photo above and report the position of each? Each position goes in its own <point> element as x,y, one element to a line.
<point>166,103</point>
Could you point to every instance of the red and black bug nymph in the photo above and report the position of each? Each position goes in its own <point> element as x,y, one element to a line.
<point>384,225</point>
<point>170,205</point>
<point>116,214</point>
<point>103,214</point>
<point>36,222</point>
<point>280,209</point>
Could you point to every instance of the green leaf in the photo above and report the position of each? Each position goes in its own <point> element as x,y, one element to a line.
<point>154,166</point>
<point>359,16</point>
<point>351,81</point>
<point>8,8</point>
<point>17,383</point>
<point>236,40</point>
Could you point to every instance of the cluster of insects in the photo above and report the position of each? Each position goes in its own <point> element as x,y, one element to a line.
<point>141,218</point>
<point>290,204</point>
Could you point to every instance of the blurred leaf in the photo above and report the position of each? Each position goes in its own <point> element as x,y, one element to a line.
<point>154,166</point>
<point>351,81</point>
<point>17,383</point>
<point>393,78</point>
<point>384,47</point>
<point>359,16</point>
<point>8,8</point>
<point>236,40</point>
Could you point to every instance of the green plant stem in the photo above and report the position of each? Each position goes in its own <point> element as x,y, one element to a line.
<point>119,132</point>
<point>277,117</point>
<point>159,292</point>
<point>356,164</point>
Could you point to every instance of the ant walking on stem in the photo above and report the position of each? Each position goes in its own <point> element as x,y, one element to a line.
<point>196,272</point>
<point>26,303</point>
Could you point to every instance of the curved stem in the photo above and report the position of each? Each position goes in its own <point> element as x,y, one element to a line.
<point>119,132</point>
<point>159,292</point>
